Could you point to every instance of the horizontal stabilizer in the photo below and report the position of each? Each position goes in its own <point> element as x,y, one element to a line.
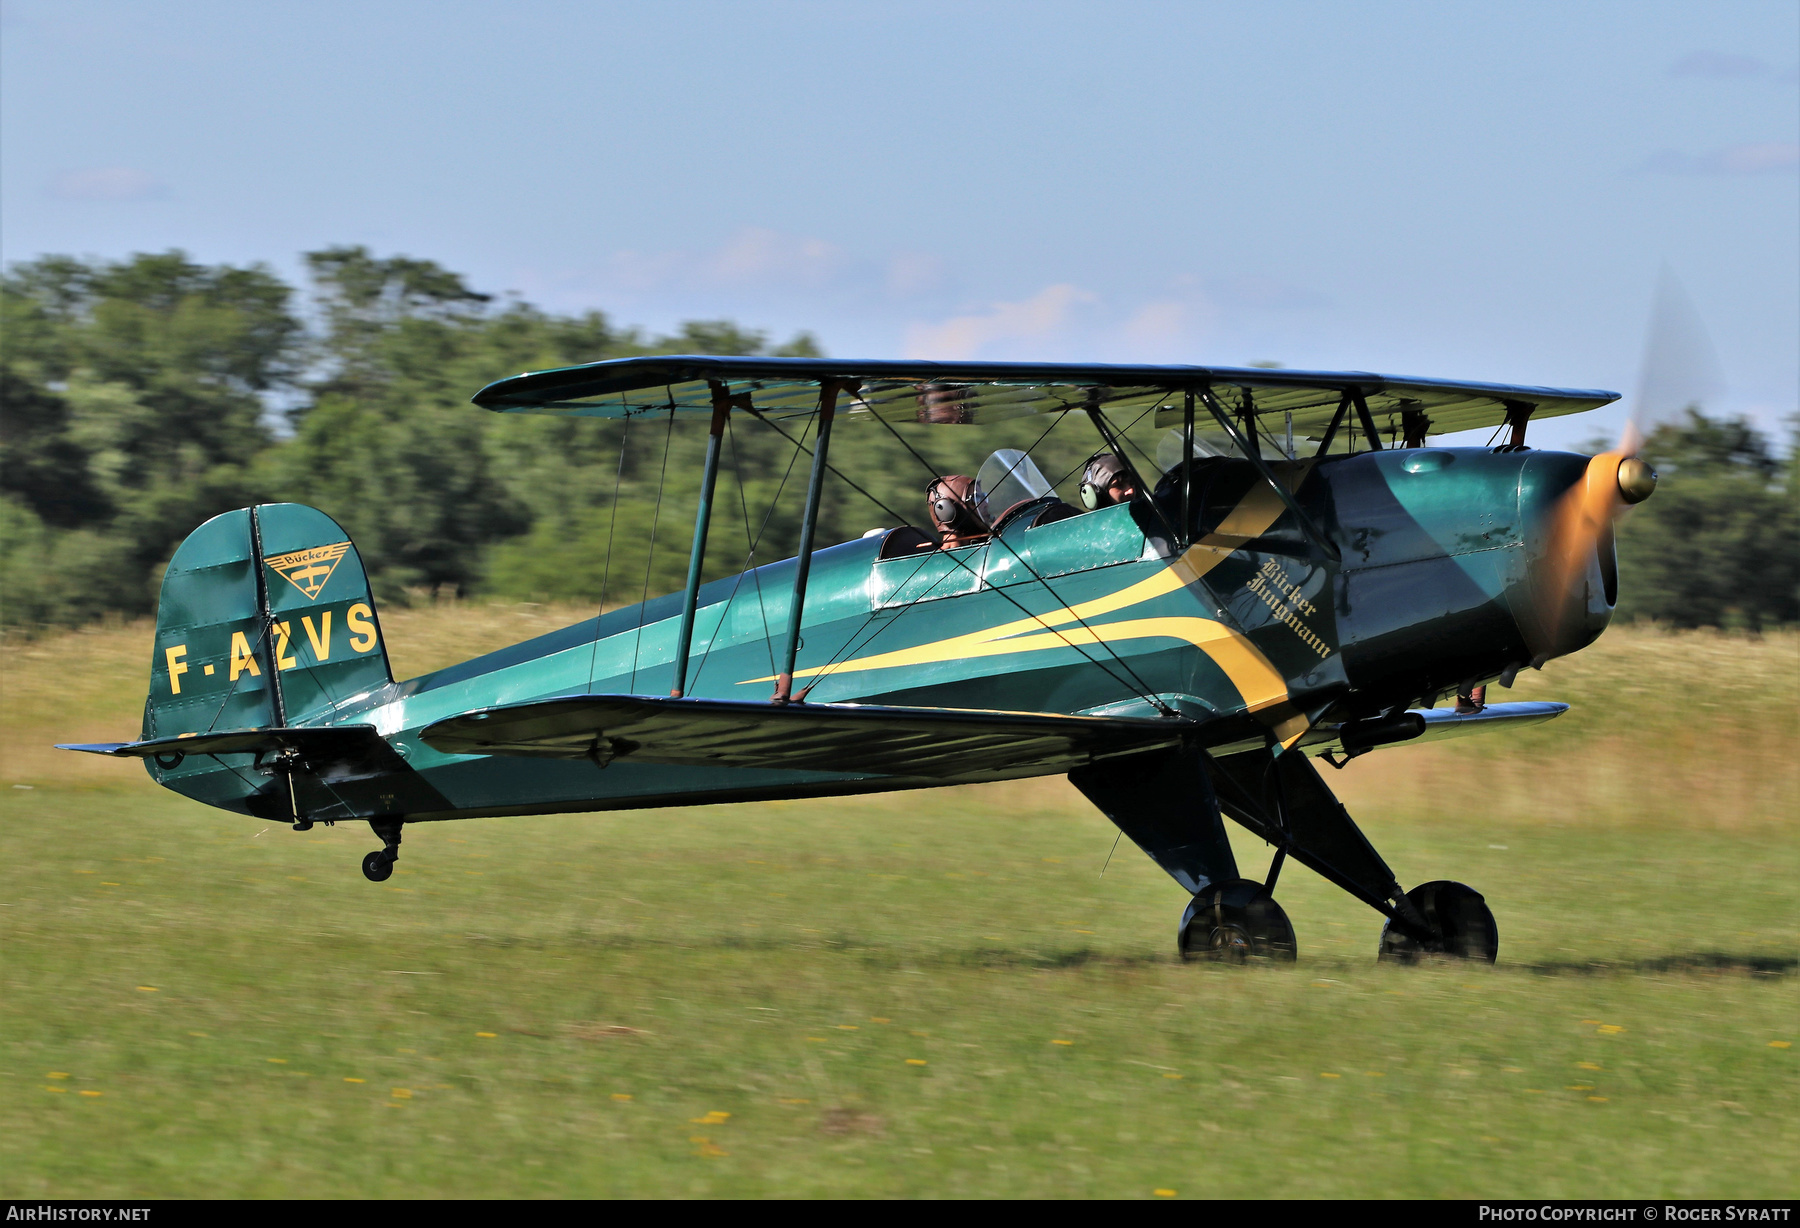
<point>1442,723</point>
<point>322,744</point>
<point>928,743</point>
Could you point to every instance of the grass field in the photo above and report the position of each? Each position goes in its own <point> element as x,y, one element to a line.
<point>923,994</point>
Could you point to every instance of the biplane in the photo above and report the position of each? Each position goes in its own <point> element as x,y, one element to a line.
<point>1299,578</point>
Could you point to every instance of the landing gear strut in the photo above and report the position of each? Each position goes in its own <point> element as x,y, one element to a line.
<point>1236,922</point>
<point>1170,803</point>
<point>378,866</point>
<point>1460,920</point>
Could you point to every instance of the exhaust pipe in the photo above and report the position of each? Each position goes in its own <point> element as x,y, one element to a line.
<point>1358,736</point>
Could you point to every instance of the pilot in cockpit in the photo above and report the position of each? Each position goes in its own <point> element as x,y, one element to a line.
<point>958,510</point>
<point>1106,482</point>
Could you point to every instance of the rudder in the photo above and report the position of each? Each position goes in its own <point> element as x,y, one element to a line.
<point>265,618</point>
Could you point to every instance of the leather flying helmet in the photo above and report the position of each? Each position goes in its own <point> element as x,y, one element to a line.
<point>1104,472</point>
<point>958,507</point>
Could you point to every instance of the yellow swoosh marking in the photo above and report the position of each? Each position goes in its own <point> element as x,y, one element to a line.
<point>1257,680</point>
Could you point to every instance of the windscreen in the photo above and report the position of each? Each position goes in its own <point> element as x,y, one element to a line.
<point>1206,443</point>
<point>1010,477</point>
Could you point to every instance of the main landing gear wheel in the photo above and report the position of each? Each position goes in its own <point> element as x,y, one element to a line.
<point>1460,918</point>
<point>378,866</point>
<point>1236,922</point>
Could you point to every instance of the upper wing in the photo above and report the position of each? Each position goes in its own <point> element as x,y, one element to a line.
<point>912,391</point>
<point>928,743</point>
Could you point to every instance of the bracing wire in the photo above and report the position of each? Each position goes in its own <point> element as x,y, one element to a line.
<point>655,516</point>
<point>754,542</point>
<point>1110,852</point>
<point>854,644</point>
<point>1141,690</point>
<point>612,527</point>
<point>1080,465</point>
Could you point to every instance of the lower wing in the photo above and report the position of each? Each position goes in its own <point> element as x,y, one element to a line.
<point>931,743</point>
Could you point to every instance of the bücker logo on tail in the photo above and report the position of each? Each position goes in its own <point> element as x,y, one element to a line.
<point>307,570</point>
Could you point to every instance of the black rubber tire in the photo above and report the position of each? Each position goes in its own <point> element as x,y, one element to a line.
<point>1463,921</point>
<point>1236,922</point>
<point>378,866</point>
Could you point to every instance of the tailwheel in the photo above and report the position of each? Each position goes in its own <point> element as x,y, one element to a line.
<point>379,866</point>
<point>1460,919</point>
<point>1236,922</point>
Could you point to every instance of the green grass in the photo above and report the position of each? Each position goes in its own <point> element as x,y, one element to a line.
<point>220,982</point>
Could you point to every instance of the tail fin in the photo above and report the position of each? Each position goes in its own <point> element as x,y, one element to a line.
<point>265,619</point>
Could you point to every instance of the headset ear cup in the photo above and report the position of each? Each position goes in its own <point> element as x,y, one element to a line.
<point>1090,498</point>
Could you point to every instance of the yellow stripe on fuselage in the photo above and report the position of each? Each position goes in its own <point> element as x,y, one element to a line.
<point>1258,682</point>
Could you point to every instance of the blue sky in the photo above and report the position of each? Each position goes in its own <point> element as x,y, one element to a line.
<point>1447,189</point>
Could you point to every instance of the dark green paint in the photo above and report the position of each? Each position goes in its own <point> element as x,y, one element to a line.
<point>1435,558</point>
<point>709,478</point>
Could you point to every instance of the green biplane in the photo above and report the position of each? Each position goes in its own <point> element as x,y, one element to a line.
<point>1183,646</point>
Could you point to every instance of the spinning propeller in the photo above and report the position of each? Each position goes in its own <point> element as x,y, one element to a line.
<point>1680,369</point>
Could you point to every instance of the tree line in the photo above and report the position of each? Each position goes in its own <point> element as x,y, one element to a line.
<point>139,397</point>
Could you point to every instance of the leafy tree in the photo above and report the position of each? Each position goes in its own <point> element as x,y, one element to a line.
<point>1719,543</point>
<point>431,489</point>
<point>131,410</point>
<point>44,468</point>
<point>134,403</point>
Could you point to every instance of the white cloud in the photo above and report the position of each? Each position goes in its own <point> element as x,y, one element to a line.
<point>1167,330</point>
<point>758,254</point>
<point>1255,290</point>
<point>1718,64</point>
<point>914,273</point>
<point>1005,329</point>
<point>754,262</point>
<point>755,256</point>
<point>1187,319</point>
<point>106,183</point>
<point>1761,158</point>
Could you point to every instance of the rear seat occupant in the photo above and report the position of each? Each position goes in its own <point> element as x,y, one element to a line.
<point>958,510</point>
<point>1106,482</point>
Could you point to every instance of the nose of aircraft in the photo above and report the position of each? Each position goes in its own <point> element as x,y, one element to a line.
<point>1569,506</point>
